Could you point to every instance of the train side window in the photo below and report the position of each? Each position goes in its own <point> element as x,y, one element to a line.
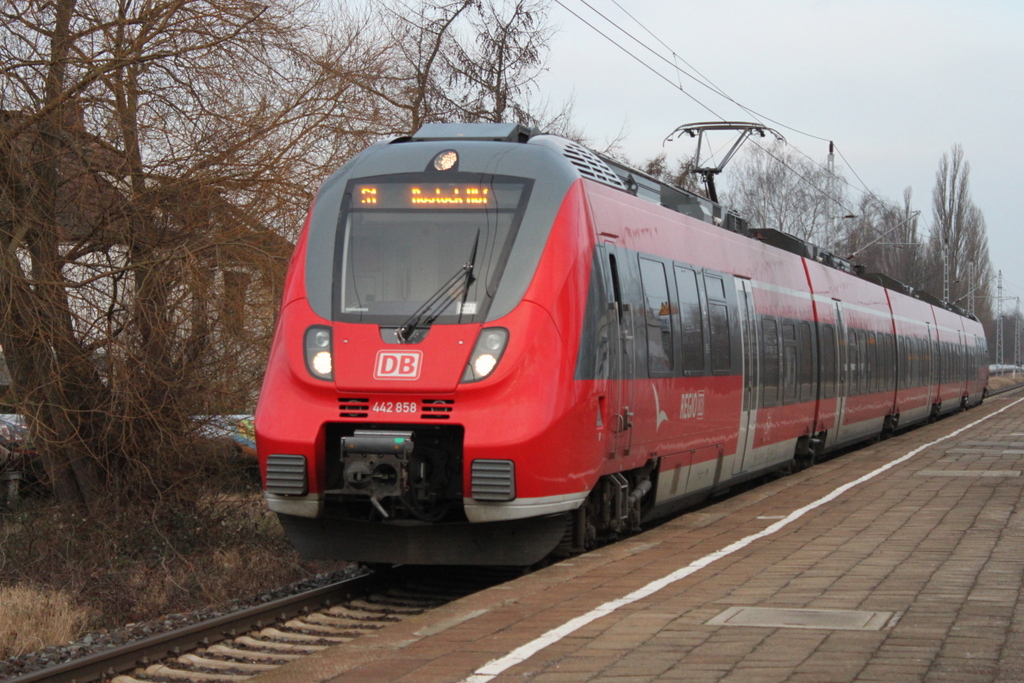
<point>853,354</point>
<point>926,361</point>
<point>715,287</point>
<point>658,314</point>
<point>884,357</point>
<point>883,361</point>
<point>718,324</point>
<point>806,374</point>
<point>910,359</point>
<point>862,342</point>
<point>908,343</point>
<point>789,362</point>
<point>880,376</point>
<point>721,352</point>
<point>692,331</point>
<point>929,354</point>
<point>900,361</point>
<point>925,373</point>
<point>769,362</point>
<point>870,362</point>
<point>828,361</point>
<point>890,358</point>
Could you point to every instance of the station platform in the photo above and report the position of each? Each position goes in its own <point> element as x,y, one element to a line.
<point>901,561</point>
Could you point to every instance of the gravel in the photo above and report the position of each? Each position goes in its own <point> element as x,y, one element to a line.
<point>105,640</point>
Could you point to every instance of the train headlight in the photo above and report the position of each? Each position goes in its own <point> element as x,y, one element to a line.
<point>486,354</point>
<point>319,360</point>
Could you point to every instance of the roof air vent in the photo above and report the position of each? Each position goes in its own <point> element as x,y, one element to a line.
<point>590,165</point>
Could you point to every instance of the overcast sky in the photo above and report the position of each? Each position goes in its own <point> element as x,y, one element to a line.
<point>894,84</point>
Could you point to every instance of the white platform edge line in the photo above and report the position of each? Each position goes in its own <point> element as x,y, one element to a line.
<point>495,667</point>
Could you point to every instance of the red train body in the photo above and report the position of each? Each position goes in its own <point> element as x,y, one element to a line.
<point>495,345</point>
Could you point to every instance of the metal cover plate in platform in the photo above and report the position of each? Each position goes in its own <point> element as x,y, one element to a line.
<point>968,473</point>
<point>779,617</point>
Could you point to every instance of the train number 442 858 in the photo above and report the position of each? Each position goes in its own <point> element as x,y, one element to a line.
<point>390,407</point>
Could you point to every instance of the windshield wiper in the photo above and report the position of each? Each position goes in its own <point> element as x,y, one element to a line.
<point>457,287</point>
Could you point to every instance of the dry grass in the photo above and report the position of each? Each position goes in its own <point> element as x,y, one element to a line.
<point>33,618</point>
<point>140,559</point>
<point>995,383</point>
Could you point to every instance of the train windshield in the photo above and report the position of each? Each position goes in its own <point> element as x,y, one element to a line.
<point>427,250</point>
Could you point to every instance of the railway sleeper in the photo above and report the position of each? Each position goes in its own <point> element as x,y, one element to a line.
<point>284,647</point>
<point>363,615</point>
<point>276,657</point>
<point>307,627</point>
<point>353,624</point>
<point>164,671</point>
<point>278,634</point>
<point>224,664</point>
<point>402,599</point>
<point>381,607</point>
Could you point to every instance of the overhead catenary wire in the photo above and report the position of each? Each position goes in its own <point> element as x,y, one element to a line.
<point>706,82</point>
<point>700,103</point>
<point>638,59</point>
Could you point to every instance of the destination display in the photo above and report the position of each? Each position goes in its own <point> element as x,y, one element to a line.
<point>434,195</point>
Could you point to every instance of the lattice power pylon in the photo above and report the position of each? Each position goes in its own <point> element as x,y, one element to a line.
<point>1016,340</point>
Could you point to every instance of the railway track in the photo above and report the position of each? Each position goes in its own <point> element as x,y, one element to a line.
<point>241,645</point>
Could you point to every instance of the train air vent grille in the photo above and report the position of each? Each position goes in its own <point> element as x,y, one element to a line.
<point>494,480</point>
<point>353,407</point>
<point>436,409</point>
<point>591,166</point>
<point>286,475</point>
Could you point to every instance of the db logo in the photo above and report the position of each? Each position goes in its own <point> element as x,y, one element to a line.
<point>397,365</point>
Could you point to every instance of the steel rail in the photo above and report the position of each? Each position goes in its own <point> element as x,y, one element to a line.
<point>141,652</point>
<point>154,648</point>
<point>1004,390</point>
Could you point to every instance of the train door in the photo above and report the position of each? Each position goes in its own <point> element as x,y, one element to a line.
<point>842,371</point>
<point>623,352</point>
<point>751,374</point>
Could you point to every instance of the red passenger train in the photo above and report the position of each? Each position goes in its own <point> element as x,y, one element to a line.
<point>496,345</point>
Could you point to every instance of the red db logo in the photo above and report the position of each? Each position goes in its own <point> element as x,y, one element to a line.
<point>401,365</point>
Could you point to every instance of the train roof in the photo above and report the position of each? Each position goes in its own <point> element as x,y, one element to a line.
<point>608,171</point>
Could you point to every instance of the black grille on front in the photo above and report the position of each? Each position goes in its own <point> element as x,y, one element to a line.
<point>436,409</point>
<point>286,475</point>
<point>493,480</point>
<point>353,407</point>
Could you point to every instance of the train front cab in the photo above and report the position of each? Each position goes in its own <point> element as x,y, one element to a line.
<point>404,448</point>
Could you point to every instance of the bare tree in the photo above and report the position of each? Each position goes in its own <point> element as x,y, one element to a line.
<point>680,176</point>
<point>773,187</point>
<point>958,245</point>
<point>152,157</point>
<point>496,66</point>
<point>884,236</point>
<point>464,60</point>
<point>415,86</point>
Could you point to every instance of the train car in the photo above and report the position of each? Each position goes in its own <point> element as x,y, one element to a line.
<point>495,345</point>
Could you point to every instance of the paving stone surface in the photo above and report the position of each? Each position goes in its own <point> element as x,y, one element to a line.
<point>944,554</point>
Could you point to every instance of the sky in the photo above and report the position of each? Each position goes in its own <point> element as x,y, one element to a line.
<point>894,84</point>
